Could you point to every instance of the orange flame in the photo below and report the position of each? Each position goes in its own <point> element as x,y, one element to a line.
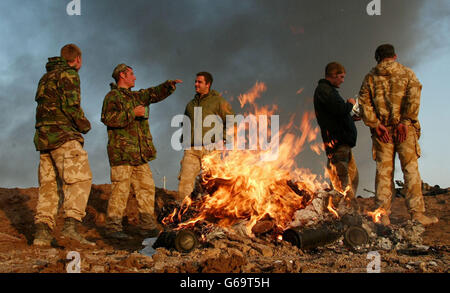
<point>240,186</point>
<point>331,208</point>
<point>317,148</point>
<point>377,214</point>
<point>254,93</point>
<point>170,218</point>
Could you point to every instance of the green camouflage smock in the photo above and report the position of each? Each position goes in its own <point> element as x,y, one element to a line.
<point>211,104</point>
<point>59,116</point>
<point>129,138</point>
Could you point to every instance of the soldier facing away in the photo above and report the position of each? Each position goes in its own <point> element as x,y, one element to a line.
<point>60,121</point>
<point>130,148</point>
<point>338,131</point>
<point>390,101</point>
<point>210,102</point>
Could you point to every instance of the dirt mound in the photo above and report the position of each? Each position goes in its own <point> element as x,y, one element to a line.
<point>238,254</point>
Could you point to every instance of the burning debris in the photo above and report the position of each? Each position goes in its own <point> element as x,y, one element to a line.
<point>403,247</point>
<point>317,224</point>
<point>271,200</point>
<point>245,207</point>
<point>246,194</point>
<point>322,218</point>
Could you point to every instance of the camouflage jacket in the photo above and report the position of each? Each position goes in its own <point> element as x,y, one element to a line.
<point>59,117</point>
<point>211,104</point>
<point>129,138</point>
<point>390,94</point>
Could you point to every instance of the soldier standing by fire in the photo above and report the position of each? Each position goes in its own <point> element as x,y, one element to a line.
<point>211,103</point>
<point>60,121</point>
<point>390,101</point>
<point>334,116</point>
<point>130,148</point>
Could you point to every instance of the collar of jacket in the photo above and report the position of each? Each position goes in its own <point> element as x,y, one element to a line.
<point>57,63</point>
<point>385,67</point>
<point>323,80</point>
<point>114,86</point>
<point>210,94</point>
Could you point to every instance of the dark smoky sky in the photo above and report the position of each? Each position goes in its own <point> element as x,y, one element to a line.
<point>285,44</point>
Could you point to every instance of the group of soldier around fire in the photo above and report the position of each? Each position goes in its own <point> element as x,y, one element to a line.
<point>389,103</point>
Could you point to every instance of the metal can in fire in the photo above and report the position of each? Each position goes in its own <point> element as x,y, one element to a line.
<point>183,240</point>
<point>355,236</point>
<point>310,238</point>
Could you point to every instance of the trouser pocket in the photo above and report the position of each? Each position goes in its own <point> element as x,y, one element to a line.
<point>76,167</point>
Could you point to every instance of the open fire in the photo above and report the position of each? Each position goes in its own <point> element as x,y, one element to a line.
<point>239,187</point>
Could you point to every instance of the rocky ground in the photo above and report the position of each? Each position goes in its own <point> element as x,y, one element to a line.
<point>233,253</point>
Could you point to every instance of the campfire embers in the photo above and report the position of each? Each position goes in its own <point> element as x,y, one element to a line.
<point>311,226</point>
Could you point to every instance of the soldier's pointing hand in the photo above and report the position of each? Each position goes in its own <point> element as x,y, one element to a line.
<point>177,81</point>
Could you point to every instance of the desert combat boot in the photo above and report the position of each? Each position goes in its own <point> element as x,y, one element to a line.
<point>148,226</point>
<point>43,236</point>
<point>70,231</point>
<point>424,220</point>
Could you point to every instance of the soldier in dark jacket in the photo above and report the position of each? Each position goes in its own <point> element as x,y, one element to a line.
<point>60,121</point>
<point>338,130</point>
<point>130,148</point>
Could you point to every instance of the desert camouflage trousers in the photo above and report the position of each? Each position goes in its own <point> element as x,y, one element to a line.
<point>191,165</point>
<point>384,155</point>
<point>66,167</point>
<point>341,167</point>
<point>123,178</point>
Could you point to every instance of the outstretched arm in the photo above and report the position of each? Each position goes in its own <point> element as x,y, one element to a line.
<point>158,93</point>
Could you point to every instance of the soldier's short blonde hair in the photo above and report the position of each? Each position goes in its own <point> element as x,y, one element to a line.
<point>70,52</point>
<point>334,68</point>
